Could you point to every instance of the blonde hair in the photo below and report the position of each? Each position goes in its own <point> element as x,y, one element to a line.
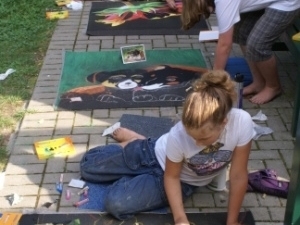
<point>195,10</point>
<point>211,99</point>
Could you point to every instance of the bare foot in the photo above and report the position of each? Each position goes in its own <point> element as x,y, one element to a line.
<point>252,89</point>
<point>124,135</point>
<point>265,95</point>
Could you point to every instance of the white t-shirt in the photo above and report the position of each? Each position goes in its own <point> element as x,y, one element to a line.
<point>200,168</point>
<point>228,11</point>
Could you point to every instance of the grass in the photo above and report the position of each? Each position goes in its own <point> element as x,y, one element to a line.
<point>24,37</point>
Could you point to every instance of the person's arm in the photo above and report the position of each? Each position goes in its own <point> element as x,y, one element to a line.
<point>223,49</point>
<point>173,191</point>
<point>238,180</point>
<point>171,4</point>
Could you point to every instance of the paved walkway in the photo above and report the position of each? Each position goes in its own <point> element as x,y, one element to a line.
<point>35,179</point>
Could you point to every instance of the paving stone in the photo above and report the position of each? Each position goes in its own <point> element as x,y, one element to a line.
<point>152,37</point>
<point>275,144</point>
<point>41,96</point>
<point>191,210</point>
<point>254,145</point>
<point>203,200</point>
<point>105,122</point>
<point>188,202</point>
<point>64,132</point>
<point>260,213</point>
<point>286,114</point>
<point>25,159</point>
<point>267,200</point>
<point>168,112</point>
<point>221,199</point>
<point>45,102</point>
<point>93,47</point>
<point>151,112</point>
<point>63,127</point>
<point>37,116</point>
<point>33,179</point>
<point>106,44</point>
<point>213,210</point>
<point>38,123</point>
<point>31,132</point>
<point>277,104</point>
<point>255,165</point>
<point>283,202</point>
<point>80,150</point>
<point>88,130</point>
<point>284,136</point>
<point>26,202</point>
<point>250,200</point>
<point>276,123</point>
<point>171,38</point>
<point>30,140</point>
<point>120,40</point>
<point>100,113</point>
<point>117,113</point>
<point>12,169</point>
<point>73,167</point>
<point>179,45</point>
<point>48,203</point>
<point>20,190</point>
<point>159,44</point>
<point>55,165</point>
<point>23,149</point>
<point>83,118</point>
<point>48,189</point>
<point>266,154</point>
<point>80,48</point>
<point>287,157</point>
<point>66,115</point>
<point>277,214</point>
<point>97,140</point>
<point>188,41</point>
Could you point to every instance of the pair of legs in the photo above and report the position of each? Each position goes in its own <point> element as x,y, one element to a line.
<point>132,171</point>
<point>256,33</point>
<point>266,84</point>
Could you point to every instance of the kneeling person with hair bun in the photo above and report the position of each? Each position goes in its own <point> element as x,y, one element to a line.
<point>149,173</point>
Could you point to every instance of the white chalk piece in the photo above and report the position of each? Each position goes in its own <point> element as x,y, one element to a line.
<point>208,35</point>
<point>111,129</point>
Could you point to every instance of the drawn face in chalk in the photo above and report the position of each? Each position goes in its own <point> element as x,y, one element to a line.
<point>127,84</point>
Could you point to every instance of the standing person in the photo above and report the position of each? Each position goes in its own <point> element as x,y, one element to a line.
<point>149,173</point>
<point>255,26</point>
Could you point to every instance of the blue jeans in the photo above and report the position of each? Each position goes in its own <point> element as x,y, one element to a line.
<point>134,174</point>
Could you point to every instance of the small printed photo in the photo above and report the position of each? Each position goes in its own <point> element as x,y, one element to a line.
<point>133,54</point>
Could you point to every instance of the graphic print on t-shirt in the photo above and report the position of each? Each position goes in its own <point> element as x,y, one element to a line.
<point>209,160</point>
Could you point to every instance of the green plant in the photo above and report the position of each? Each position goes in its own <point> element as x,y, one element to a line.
<point>24,37</point>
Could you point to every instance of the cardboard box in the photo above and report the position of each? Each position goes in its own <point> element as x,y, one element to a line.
<point>61,14</point>
<point>54,148</point>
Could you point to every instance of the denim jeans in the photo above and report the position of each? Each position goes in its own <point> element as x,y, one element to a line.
<point>134,174</point>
